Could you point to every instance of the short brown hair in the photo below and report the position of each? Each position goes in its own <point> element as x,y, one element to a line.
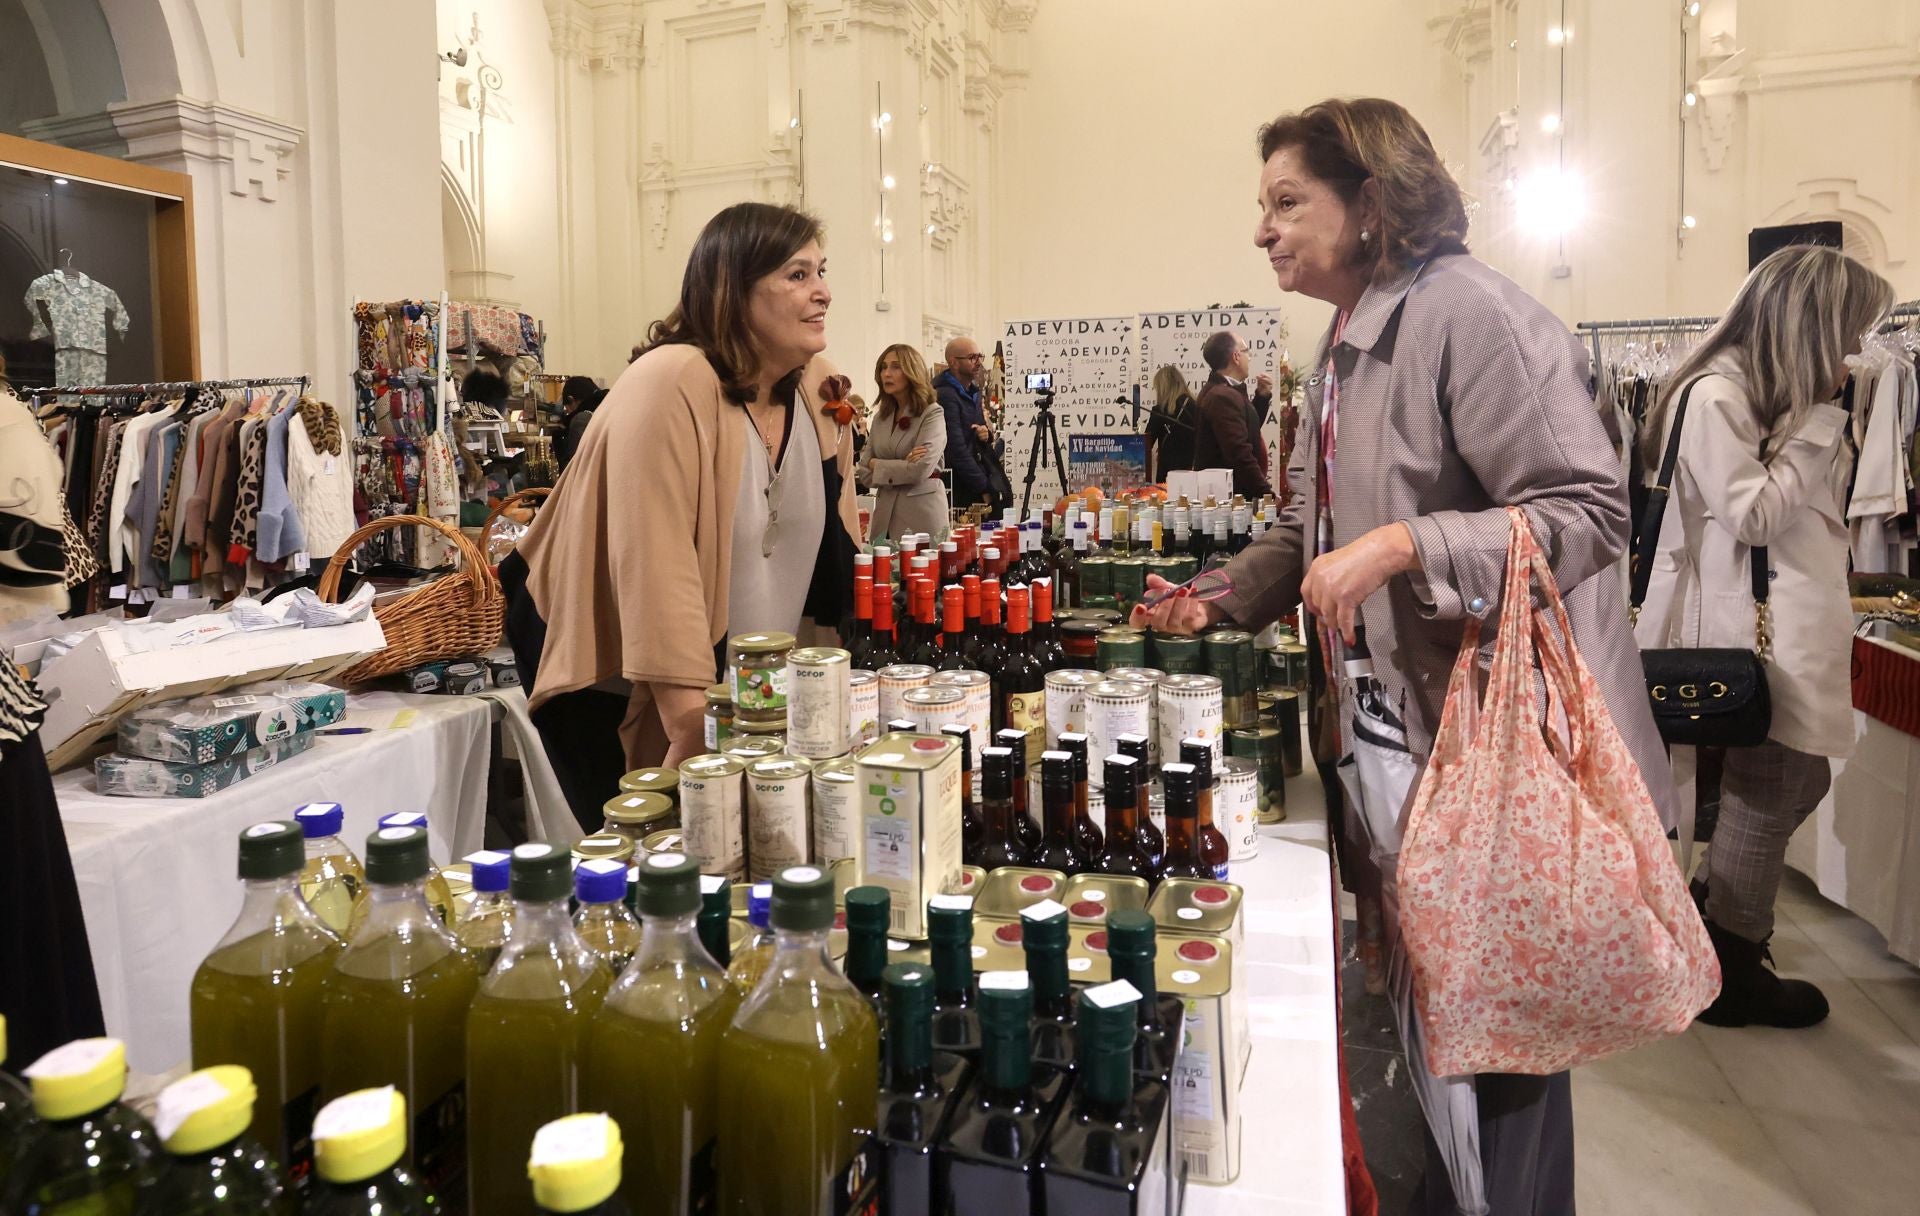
<point>919,392</point>
<point>1217,350</point>
<point>1347,143</point>
<point>738,247</point>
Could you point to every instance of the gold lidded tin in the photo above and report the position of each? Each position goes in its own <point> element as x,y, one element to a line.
<point>607,845</point>
<point>971,878</point>
<point>863,708</point>
<point>1281,710</point>
<point>1067,702</point>
<point>978,706</point>
<point>895,680</point>
<point>1177,654</point>
<point>637,816</point>
<point>1105,892</point>
<point>666,840</point>
<point>660,780</point>
<point>778,832</point>
<point>719,715</point>
<point>713,814</point>
<point>1236,806</point>
<point>1293,659</point>
<point>908,790</point>
<point>1115,708</point>
<point>835,812</point>
<point>1191,707</point>
<point>758,662</point>
<point>1103,617</point>
<point>751,747</point>
<point>931,708</point>
<point>1120,646</point>
<point>1230,656</point>
<point>1011,890</point>
<point>1263,746</point>
<point>819,696</point>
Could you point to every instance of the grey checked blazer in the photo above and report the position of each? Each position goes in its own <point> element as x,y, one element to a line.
<point>1460,395</point>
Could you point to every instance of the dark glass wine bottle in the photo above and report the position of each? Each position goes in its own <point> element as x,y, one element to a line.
<point>1108,1152</point>
<point>882,652</point>
<point>1213,842</point>
<point>918,1090</point>
<point>990,651</point>
<point>1149,842</point>
<point>973,831</point>
<point>1020,684</point>
<point>860,627</point>
<point>1120,852</point>
<point>1002,845</point>
<point>991,1151</point>
<point>956,1023</point>
<point>1088,839</point>
<point>1132,943</point>
<point>926,627</point>
<point>1023,818</point>
<point>1043,934</point>
<point>1046,643</point>
<point>716,917</point>
<point>869,913</point>
<point>1066,566</point>
<point>1179,784</point>
<point>953,629</point>
<point>1057,850</point>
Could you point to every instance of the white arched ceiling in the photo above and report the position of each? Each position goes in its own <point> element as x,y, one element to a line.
<point>83,61</point>
<point>162,47</point>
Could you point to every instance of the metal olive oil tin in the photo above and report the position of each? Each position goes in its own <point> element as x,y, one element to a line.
<point>778,832</point>
<point>1067,702</point>
<point>1264,746</point>
<point>1191,707</point>
<point>908,788</point>
<point>713,814</point>
<point>835,812</point>
<point>750,747</point>
<point>1101,894</point>
<point>894,683</point>
<point>863,708</point>
<point>1120,646</point>
<point>1176,654</point>
<point>1011,890</point>
<point>819,696</point>
<point>1236,806</point>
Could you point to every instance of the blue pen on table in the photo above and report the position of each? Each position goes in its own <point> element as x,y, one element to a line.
<point>345,730</point>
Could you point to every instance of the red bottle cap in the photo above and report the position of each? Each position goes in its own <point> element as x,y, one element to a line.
<point>953,609</point>
<point>862,597</point>
<point>1043,601</point>
<point>989,601</point>
<point>1018,613</point>
<point>970,585</point>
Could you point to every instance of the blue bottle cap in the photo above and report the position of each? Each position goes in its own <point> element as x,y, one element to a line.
<point>319,819</point>
<point>760,904</point>
<point>404,819</point>
<point>600,881</point>
<point>490,870</point>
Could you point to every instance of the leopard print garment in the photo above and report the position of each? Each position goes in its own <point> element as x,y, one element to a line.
<point>246,503</point>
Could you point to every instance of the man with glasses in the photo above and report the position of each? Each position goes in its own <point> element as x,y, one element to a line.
<point>1232,411</point>
<point>959,391</point>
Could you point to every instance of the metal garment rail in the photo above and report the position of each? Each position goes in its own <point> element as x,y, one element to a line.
<point>165,386</point>
<point>1900,314</point>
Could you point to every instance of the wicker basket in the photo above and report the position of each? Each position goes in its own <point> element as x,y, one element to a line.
<point>452,617</point>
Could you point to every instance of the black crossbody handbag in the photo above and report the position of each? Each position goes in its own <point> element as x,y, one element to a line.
<point>1702,697</point>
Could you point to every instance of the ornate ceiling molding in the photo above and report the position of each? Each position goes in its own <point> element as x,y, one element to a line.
<point>252,152</point>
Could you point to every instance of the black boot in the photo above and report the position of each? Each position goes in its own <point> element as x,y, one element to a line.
<point>1751,994</point>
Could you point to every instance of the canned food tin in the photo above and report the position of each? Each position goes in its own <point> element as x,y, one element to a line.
<point>1096,578</point>
<point>1105,893</point>
<point>750,747</point>
<point>819,696</point>
<point>1120,647</point>
<point>1081,640</point>
<point>1236,806</point>
<point>758,662</point>
<point>1190,708</point>
<point>908,788</point>
<point>1129,580</point>
<point>933,707</point>
<point>1067,702</point>
<point>1011,890</point>
<point>662,781</point>
<point>835,812</point>
<point>608,845</point>
<point>666,840</point>
<point>637,816</point>
<point>778,834</point>
<point>1178,655</point>
<point>1188,908</point>
<point>1139,675</point>
<point>894,683</point>
<point>713,814</point>
<point>971,877</point>
<point>977,708</point>
<point>719,716</point>
<point>1230,656</point>
<point>1293,658</point>
<point>1105,603</point>
<point>1201,971</point>
<point>1284,716</point>
<point>863,708</point>
<point>1103,617</point>
<point>1115,708</point>
<point>1262,745</point>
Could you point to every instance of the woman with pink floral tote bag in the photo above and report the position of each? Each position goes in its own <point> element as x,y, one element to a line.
<point>1546,920</point>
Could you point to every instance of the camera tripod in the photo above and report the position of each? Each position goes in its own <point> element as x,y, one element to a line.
<point>1046,436</point>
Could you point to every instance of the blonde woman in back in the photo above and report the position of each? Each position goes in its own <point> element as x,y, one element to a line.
<point>1764,460</point>
<point>1170,430</point>
<point>906,449</point>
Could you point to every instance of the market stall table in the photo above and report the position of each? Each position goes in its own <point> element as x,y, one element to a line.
<point>156,875</point>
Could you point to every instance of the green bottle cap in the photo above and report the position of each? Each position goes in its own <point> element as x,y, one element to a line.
<point>949,920</point>
<point>869,910</point>
<point>909,999</point>
<point>272,850</point>
<point>716,896</point>
<point>1006,1003</point>
<point>670,886</point>
<point>396,855</point>
<point>1044,926</point>
<point>802,899</point>
<point>540,872</point>
<point>1105,1021</point>
<point>1130,932</point>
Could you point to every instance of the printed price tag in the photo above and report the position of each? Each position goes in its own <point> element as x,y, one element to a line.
<point>79,1056</point>
<point>357,1112</point>
<point>181,1099</point>
<point>1106,996</point>
<point>579,1138</point>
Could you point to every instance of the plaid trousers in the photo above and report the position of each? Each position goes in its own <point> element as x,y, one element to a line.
<point>1766,792</point>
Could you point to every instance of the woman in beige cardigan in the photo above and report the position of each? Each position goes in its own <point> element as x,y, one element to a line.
<point>906,449</point>
<point>712,495</point>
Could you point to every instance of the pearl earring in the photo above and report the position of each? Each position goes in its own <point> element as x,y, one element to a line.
<point>1365,236</point>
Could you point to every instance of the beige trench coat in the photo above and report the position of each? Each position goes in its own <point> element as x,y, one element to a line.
<point>1459,394</point>
<point>908,495</point>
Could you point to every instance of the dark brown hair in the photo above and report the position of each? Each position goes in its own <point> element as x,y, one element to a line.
<point>1347,143</point>
<point>1217,350</point>
<point>738,247</point>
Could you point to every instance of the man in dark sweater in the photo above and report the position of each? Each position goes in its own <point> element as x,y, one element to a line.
<point>959,391</point>
<point>1229,433</point>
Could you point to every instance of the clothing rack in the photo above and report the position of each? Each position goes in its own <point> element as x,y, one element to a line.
<point>1900,314</point>
<point>166,386</point>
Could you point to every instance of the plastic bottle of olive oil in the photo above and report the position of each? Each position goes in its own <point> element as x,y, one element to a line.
<point>359,1146</point>
<point>439,893</point>
<point>212,1166</point>
<point>91,1152</point>
<point>332,880</point>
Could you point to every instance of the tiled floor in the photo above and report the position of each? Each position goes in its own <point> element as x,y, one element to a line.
<point>1820,1122</point>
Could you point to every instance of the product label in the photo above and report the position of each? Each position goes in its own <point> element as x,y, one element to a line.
<point>863,714</point>
<point>1193,1086</point>
<point>889,849</point>
<point>230,702</point>
<point>833,821</point>
<point>760,689</point>
<point>712,732</point>
<point>856,1191</point>
<point>1028,711</point>
<point>817,710</point>
<point>440,1147</point>
<point>776,826</point>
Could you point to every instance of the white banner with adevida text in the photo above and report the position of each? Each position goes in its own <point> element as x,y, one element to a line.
<point>1091,360</point>
<point>1176,338</point>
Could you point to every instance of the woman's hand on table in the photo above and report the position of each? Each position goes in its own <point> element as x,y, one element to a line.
<point>1178,613</point>
<point>683,713</point>
<point>1340,581</point>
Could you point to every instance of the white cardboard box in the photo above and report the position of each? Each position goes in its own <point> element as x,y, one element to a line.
<point>91,687</point>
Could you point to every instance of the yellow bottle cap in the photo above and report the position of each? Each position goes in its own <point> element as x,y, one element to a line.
<point>78,1079</point>
<point>359,1135</point>
<point>575,1163</point>
<point>204,1110</point>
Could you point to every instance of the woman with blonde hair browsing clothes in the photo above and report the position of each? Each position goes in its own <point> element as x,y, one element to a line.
<point>1170,428</point>
<point>906,449</point>
<point>1754,449</point>
<point>1442,394</point>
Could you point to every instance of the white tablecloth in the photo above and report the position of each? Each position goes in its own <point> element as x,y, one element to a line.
<point>156,875</point>
<point>1290,1159</point>
<point>1862,845</point>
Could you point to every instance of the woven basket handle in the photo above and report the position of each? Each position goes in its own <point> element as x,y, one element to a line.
<point>473,567</point>
<point>532,494</point>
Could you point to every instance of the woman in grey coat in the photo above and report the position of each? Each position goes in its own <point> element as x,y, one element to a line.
<point>1442,395</point>
<point>906,449</point>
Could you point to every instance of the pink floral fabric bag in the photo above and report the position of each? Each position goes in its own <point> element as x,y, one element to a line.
<point>1545,918</point>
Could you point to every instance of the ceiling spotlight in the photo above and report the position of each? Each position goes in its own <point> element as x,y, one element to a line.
<point>1556,36</point>
<point>1692,98</point>
<point>1550,123</point>
<point>886,117</point>
<point>794,122</point>
<point>887,182</point>
<point>932,228</point>
<point>1693,9</point>
<point>887,236</point>
<point>1687,221</point>
<point>1550,202</point>
<point>60,181</point>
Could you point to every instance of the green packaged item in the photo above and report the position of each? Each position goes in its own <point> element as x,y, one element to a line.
<point>204,729</point>
<point>130,777</point>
